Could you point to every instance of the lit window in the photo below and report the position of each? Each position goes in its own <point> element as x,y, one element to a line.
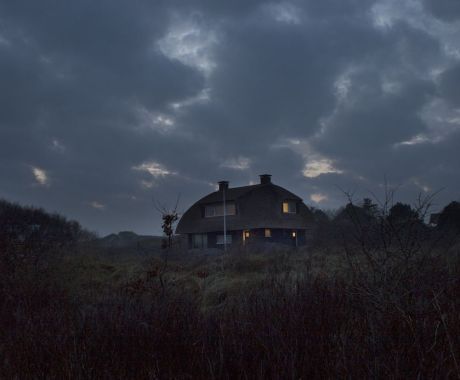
<point>246,234</point>
<point>217,209</point>
<point>294,234</point>
<point>289,207</point>
<point>268,232</point>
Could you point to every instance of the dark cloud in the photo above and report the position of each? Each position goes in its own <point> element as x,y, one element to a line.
<point>449,85</point>
<point>448,10</point>
<point>104,106</point>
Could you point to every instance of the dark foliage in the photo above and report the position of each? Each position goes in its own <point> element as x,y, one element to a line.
<point>449,218</point>
<point>28,234</point>
<point>401,214</point>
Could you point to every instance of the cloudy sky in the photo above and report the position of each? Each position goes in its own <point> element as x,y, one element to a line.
<point>108,105</point>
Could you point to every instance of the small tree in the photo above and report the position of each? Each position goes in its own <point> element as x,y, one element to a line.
<point>169,217</point>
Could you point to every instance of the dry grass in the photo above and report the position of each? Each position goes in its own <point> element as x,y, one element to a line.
<point>255,316</point>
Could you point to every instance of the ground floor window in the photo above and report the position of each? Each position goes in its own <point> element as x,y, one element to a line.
<point>199,241</point>
<point>268,232</point>
<point>220,239</point>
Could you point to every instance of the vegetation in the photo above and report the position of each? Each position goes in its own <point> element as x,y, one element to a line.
<point>377,296</point>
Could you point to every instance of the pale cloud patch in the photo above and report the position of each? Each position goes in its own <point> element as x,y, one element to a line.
<point>284,13</point>
<point>315,168</point>
<point>189,42</point>
<point>57,146</point>
<point>342,86</point>
<point>318,197</point>
<point>238,163</point>
<point>202,97</point>
<point>424,187</point>
<point>156,121</point>
<point>96,205</point>
<point>441,122</point>
<point>147,184</point>
<point>382,15</point>
<point>315,163</point>
<point>386,13</point>
<point>155,169</point>
<point>390,87</point>
<point>41,177</point>
<point>418,139</point>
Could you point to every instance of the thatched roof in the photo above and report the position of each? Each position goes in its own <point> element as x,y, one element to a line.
<point>258,206</point>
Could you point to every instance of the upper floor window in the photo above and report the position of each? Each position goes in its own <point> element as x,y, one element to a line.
<point>217,209</point>
<point>289,207</point>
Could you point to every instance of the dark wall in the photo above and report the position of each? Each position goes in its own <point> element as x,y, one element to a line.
<point>236,238</point>
<point>279,236</point>
<point>257,236</point>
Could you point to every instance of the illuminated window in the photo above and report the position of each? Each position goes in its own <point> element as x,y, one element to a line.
<point>246,234</point>
<point>268,232</point>
<point>293,234</point>
<point>217,209</point>
<point>289,207</point>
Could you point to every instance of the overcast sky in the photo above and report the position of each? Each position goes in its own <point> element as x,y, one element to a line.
<point>106,105</point>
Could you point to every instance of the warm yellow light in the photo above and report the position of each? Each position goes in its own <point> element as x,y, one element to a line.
<point>268,232</point>
<point>293,233</point>
<point>246,234</point>
<point>285,207</point>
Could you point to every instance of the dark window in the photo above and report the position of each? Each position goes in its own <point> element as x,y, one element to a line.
<point>217,209</point>
<point>220,239</point>
<point>199,240</point>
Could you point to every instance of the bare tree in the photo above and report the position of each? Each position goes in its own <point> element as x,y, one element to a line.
<point>169,217</point>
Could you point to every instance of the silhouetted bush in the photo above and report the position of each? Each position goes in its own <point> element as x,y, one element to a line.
<point>449,218</point>
<point>28,234</point>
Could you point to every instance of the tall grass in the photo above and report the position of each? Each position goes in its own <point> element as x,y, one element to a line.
<point>288,325</point>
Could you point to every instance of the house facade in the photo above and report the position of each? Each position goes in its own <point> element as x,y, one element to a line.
<point>262,213</point>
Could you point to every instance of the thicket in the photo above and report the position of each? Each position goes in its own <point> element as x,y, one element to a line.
<point>30,237</point>
<point>394,314</point>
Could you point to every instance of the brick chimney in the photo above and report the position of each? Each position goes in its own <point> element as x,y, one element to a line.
<point>223,185</point>
<point>265,179</point>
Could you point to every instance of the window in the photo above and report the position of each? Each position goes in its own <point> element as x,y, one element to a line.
<point>294,234</point>
<point>199,241</point>
<point>245,236</point>
<point>220,239</point>
<point>217,209</point>
<point>268,232</point>
<point>289,207</point>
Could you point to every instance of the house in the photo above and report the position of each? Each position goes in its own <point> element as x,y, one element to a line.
<point>262,213</point>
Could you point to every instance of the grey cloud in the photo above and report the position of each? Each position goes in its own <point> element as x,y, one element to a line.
<point>79,72</point>
<point>449,85</point>
<point>448,10</point>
